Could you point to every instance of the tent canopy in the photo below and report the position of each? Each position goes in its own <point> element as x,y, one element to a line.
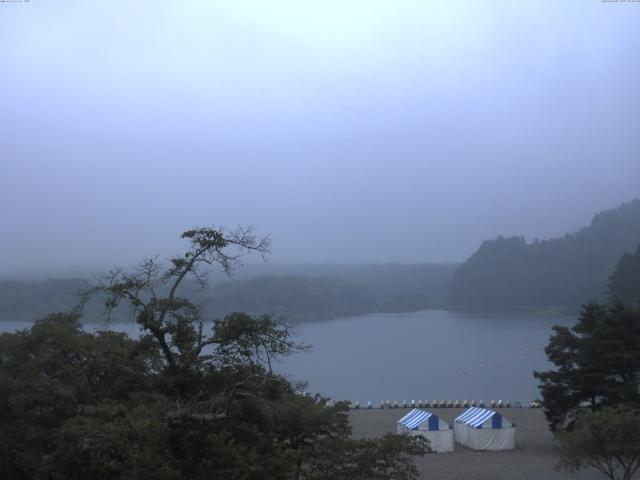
<point>477,417</point>
<point>424,423</point>
<point>416,418</point>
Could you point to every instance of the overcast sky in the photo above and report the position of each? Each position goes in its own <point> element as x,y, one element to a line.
<point>351,131</point>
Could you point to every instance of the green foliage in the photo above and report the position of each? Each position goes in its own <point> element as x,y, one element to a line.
<point>50,374</point>
<point>624,283</point>
<point>608,440</point>
<point>109,441</point>
<point>82,405</point>
<point>186,401</point>
<point>597,364</point>
<point>509,272</point>
<point>386,458</point>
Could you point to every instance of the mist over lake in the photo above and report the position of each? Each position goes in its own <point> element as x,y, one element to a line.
<point>218,216</point>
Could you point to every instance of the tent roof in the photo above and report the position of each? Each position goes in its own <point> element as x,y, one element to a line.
<point>475,416</point>
<point>415,418</point>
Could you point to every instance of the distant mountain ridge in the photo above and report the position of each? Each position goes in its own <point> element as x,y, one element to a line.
<point>502,273</point>
<point>566,271</point>
<point>29,301</point>
<point>299,297</point>
<point>310,291</point>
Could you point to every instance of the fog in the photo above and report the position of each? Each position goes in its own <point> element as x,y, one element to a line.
<point>351,131</point>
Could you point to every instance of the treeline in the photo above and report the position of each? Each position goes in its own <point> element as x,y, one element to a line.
<point>591,398</point>
<point>301,292</point>
<point>502,273</point>
<point>21,301</point>
<point>299,297</point>
<point>509,272</point>
<point>395,287</point>
<point>187,400</point>
<point>624,284</point>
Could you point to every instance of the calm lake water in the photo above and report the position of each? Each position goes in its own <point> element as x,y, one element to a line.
<point>432,354</point>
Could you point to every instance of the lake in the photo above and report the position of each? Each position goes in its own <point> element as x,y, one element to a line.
<point>431,354</point>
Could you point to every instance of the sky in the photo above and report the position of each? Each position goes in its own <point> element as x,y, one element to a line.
<point>350,131</point>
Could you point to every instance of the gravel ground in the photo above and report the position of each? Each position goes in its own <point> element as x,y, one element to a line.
<point>534,459</point>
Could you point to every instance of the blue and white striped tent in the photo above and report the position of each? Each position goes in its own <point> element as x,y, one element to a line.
<point>483,429</point>
<point>422,422</point>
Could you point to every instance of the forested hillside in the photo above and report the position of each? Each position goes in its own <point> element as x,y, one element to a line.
<point>505,272</point>
<point>33,300</point>
<point>624,284</point>
<point>299,291</point>
<point>395,287</point>
<point>509,272</point>
<point>300,297</point>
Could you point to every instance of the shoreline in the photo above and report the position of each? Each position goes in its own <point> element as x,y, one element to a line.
<point>534,458</point>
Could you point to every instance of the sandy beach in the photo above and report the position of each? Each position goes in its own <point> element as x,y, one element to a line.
<point>534,459</point>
